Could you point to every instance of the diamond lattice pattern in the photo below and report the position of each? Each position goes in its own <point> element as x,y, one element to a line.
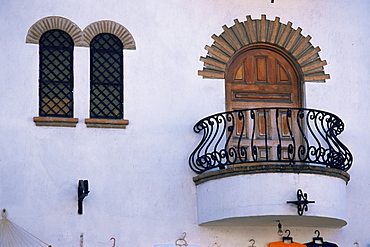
<point>56,74</point>
<point>106,85</point>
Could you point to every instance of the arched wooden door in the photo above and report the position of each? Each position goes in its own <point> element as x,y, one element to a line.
<point>263,78</point>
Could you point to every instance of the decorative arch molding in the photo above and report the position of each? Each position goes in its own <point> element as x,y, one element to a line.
<point>111,27</point>
<point>261,31</point>
<point>54,22</point>
<point>79,37</point>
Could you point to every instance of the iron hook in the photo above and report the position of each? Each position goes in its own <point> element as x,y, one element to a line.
<point>114,241</point>
<point>252,240</point>
<point>181,240</point>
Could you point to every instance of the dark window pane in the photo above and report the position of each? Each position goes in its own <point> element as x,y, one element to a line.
<point>106,77</point>
<point>56,74</point>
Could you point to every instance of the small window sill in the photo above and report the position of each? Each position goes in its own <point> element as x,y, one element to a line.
<point>55,121</point>
<point>106,123</point>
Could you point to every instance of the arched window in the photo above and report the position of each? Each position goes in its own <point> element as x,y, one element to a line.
<point>106,77</point>
<point>56,74</point>
<point>57,37</point>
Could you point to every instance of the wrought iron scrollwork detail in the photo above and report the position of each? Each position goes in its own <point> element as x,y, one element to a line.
<point>295,136</point>
<point>302,202</point>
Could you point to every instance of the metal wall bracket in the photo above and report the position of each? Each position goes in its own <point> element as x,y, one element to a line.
<point>82,192</point>
<point>302,202</point>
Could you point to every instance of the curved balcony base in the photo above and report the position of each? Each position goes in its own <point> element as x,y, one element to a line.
<point>288,220</point>
<point>258,195</point>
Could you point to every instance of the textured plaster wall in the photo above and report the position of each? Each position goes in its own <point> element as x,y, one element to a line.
<point>141,186</point>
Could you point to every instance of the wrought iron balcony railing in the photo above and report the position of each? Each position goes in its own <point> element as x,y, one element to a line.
<point>270,135</point>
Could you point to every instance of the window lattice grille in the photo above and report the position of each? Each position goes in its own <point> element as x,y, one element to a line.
<point>56,74</point>
<point>106,77</point>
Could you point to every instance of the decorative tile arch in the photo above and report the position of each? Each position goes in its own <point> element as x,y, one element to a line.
<point>107,26</point>
<point>260,31</point>
<point>54,22</point>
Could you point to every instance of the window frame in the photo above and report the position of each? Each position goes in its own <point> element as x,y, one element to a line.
<point>56,78</point>
<point>106,77</point>
<point>81,38</point>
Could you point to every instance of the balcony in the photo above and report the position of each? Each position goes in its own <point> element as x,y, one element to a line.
<point>252,161</point>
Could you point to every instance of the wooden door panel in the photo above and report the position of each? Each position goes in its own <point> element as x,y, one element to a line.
<point>282,75</point>
<point>261,96</point>
<point>260,64</point>
<point>262,78</point>
<point>265,76</point>
<point>239,74</point>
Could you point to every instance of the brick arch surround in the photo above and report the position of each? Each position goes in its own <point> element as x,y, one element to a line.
<point>79,37</point>
<point>54,22</point>
<point>261,31</point>
<point>111,27</point>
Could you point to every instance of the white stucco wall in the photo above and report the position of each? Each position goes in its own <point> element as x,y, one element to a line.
<point>142,191</point>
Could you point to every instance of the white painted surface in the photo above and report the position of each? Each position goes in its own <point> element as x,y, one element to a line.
<point>174,245</point>
<point>142,191</point>
<point>266,195</point>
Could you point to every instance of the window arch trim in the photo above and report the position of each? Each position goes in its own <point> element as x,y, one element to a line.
<point>107,26</point>
<point>262,31</point>
<point>80,38</point>
<point>54,22</point>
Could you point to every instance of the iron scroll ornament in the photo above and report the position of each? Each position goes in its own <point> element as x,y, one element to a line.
<point>301,136</point>
<point>302,202</point>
